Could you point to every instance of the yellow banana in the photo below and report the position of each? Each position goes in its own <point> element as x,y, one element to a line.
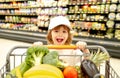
<point>42,76</point>
<point>44,70</point>
<point>18,73</point>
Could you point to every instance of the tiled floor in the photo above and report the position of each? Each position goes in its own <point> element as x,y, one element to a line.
<point>6,45</point>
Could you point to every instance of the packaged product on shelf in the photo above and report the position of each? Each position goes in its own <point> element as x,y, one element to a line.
<point>104,1</point>
<point>113,7</point>
<point>46,24</point>
<point>84,16</point>
<point>97,17</point>
<point>118,8</point>
<point>118,16</point>
<point>102,8</point>
<point>76,8</point>
<point>111,16</point>
<point>107,8</point>
<point>117,25</point>
<point>103,27</point>
<point>98,8</point>
<point>114,1</point>
<point>87,25</point>
<point>85,8</point>
<point>110,24</point>
<point>117,34</point>
<point>86,1</point>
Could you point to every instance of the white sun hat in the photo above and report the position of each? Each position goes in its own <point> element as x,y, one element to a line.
<point>59,20</point>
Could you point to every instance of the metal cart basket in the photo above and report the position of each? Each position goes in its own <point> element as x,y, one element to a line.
<point>17,55</point>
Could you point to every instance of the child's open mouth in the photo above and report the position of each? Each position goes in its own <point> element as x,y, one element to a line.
<point>59,40</point>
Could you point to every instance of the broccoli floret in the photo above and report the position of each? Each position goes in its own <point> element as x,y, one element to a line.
<point>53,59</point>
<point>35,54</point>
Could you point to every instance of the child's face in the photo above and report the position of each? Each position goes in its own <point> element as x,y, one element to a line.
<point>59,35</point>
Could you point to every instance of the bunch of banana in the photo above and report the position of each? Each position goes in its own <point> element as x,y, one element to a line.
<point>43,71</point>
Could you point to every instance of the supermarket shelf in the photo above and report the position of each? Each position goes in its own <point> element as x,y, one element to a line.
<point>112,46</point>
<point>24,36</point>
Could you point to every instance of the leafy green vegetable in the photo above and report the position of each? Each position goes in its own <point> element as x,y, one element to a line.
<point>53,59</point>
<point>35,55</point>
<point>99,57</point>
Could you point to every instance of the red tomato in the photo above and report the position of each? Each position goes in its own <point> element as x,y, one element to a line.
<point>70,72</point>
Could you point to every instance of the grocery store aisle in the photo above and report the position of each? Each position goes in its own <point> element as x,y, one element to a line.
<point>6,45</point>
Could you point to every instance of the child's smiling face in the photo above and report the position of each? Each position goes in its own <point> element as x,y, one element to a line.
<point>59,35</point>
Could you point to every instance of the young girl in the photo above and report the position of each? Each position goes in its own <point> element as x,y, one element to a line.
<point>60,33</point>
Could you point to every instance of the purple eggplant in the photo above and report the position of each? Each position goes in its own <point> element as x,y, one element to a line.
<point>89,69</point>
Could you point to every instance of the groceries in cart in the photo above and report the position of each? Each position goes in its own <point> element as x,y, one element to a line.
<point>41,62</point>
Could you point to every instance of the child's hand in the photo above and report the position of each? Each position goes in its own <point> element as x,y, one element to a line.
<point>82,46</point>
<point>38,43</point>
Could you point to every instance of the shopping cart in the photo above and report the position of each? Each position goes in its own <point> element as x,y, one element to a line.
<point>17,55</point>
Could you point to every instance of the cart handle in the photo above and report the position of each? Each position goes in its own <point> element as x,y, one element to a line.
<point>61,46</point>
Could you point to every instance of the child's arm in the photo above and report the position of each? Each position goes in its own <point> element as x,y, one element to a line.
<point>82,46</point>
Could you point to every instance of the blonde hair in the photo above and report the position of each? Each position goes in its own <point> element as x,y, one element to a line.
<point>49,36</point>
